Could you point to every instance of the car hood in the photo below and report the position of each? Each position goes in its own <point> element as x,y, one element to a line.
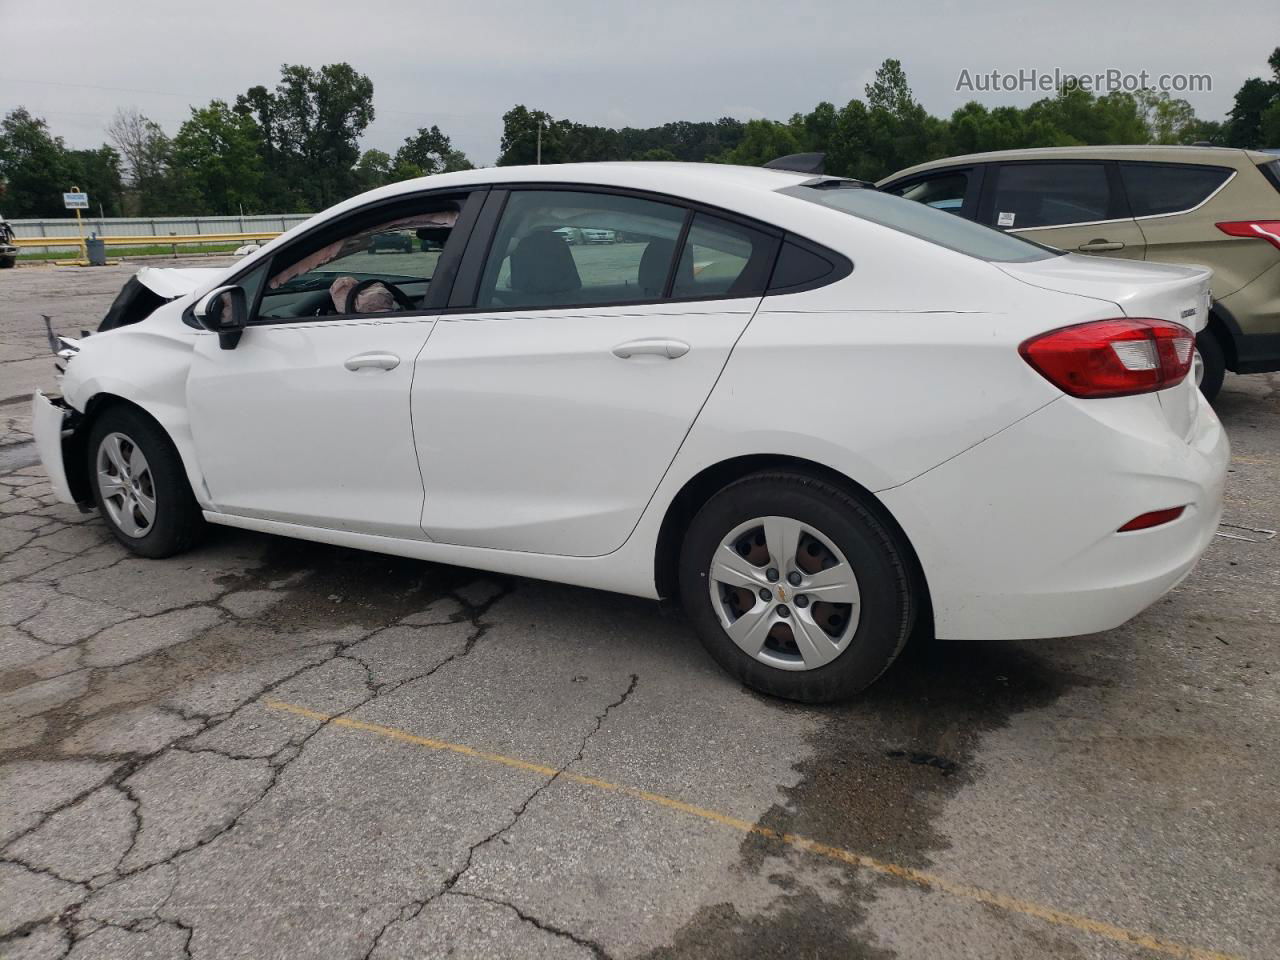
<point>1161,290</point>
<point>172,282</point>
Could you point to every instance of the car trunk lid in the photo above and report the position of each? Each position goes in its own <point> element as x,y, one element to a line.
<point>1156,290</point>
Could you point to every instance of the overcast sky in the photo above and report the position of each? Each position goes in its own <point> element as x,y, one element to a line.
<point>462,65</point>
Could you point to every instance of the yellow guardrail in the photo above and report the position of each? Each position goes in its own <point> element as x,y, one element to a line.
<point>186,238</point>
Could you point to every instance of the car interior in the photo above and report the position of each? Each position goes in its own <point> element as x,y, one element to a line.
<point>362,270</point>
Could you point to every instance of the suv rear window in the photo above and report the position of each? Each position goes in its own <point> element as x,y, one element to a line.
<point>925,223</point>
<point>1155,188</point>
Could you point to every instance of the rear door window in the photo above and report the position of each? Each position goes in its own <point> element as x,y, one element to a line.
<point>1157,188</point>
<point>1051,195</point>
<point>723,259</point>
<point>566,248</point>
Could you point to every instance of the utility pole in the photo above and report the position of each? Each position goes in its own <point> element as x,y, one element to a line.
<point>539,141</point>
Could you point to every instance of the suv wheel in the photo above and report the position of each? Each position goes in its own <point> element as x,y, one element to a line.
<point>1213,363</point>
<point>140,486</point>
<point>795,587</point>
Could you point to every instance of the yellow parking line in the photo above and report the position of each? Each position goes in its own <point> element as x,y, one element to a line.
<point>920,878</point>
<point>1264,460</point>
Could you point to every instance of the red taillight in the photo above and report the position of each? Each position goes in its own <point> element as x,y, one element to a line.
<point>1112,358</point>
<point>1268,230</point>
<point>1152,519</point>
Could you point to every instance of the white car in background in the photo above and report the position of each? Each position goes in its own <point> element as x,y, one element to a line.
<point>855,417</point>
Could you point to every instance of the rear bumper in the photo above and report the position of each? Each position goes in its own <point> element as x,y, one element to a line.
<point>50,422</point>
<point>1017,536</point>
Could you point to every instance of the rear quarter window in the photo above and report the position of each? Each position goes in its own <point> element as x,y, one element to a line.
<point>1271,170</point>
<point>1156,189</point>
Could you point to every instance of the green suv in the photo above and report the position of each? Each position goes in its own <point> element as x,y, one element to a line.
<point>1213,206</point>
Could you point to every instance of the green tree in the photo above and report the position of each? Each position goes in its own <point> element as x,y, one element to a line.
<point>1244,124</point>
<point>817,128</point>
<point>216,164</point>
<point>1269,125</point>
<point>520,137</point>
<point>428,152</point>
<point>1167,119</point>
<point>145,152</point>
<point>658,155</point>
<point>35,169</point>
<point>374,169</point>
<point>309,129</point>
<point>899,131</point>
<point>762,141</point>
<point>97,173</point>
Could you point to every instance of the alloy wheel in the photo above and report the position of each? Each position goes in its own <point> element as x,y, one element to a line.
<point>784,593</point>
<point>126,484</point>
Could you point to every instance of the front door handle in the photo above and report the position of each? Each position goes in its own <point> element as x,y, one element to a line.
<point>374,361</point>
<point>1100,246</point>
<point>654,347</point>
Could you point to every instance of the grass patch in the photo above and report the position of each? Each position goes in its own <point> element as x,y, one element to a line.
<point>156,250</point>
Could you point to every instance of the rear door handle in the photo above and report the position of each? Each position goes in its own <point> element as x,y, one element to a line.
<point>654,347</point>
<point>1100,246</point>
<point>375,361</point>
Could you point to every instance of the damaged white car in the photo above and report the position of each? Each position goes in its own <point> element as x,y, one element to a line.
<point>822,416</point>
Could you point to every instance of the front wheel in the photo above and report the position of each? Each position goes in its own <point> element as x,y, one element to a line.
<point>796,588</point>
<point>140,486</point>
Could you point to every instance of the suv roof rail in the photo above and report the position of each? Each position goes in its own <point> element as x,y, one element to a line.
<point>814,163</point>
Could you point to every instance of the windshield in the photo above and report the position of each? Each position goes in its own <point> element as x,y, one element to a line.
<point>926,223</point>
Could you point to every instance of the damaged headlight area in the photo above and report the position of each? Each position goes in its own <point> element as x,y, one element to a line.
<point>64,348</point>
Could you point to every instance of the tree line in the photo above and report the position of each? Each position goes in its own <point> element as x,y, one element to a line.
<point>295,147</point>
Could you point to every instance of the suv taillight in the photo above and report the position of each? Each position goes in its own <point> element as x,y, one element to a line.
<point>1112,358</point>
<point>1268,230</point>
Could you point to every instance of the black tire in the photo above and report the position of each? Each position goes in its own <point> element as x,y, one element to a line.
<point>888,597</point>
<point>1215,363</point>
<point>7,263</point>
<point>178,523</point>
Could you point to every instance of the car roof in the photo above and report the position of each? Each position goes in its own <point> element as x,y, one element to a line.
<point>1152,153</point>
<point>750,191</point>
<point>680,179</point>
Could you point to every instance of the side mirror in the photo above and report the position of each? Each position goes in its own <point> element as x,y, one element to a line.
<point>223,311</point>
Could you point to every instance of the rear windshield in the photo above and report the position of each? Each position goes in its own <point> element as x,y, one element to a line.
<point>926,223</point>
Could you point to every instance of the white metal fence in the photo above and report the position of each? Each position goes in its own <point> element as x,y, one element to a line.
<point>156,226</point>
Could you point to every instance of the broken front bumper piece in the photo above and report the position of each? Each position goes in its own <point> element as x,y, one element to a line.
<point>52,423</point>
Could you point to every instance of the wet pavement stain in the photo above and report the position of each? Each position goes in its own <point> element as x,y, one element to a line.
<point>335,586</point>
<point>882,768</point>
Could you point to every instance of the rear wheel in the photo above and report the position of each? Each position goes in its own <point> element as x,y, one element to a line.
<point>1213,363</point>
<point>795,587</point>
<point>140,486</point>
<point>7,263</point>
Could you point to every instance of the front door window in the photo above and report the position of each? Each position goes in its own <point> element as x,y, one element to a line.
<point>382,264</point>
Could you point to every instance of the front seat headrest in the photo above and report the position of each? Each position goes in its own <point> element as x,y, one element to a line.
<point>542,264</point>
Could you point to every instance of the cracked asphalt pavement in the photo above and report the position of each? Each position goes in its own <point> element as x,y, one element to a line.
<point>272,749</point>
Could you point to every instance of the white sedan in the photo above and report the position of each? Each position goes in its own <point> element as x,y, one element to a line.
<point>823,416</point>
